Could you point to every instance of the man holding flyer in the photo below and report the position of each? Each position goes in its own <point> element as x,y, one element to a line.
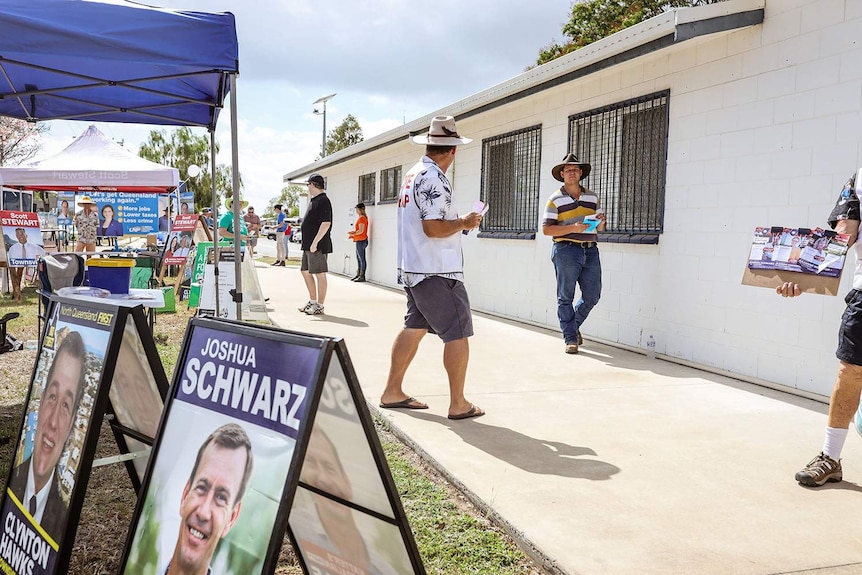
<point>431,268</point>
<point>572,217</point>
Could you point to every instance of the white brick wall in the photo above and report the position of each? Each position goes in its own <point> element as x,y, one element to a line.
<point>764,130</point>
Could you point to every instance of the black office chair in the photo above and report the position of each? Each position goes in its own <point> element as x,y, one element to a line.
<point>57,271</point>
<point>7,342</point>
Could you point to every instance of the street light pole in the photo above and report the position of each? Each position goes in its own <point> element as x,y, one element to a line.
<point>323,101</point>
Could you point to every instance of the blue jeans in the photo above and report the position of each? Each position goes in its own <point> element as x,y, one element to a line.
<point>580,266</point>
<point>360,255</point>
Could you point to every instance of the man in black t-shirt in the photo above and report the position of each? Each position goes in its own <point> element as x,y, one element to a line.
<point>316,244</point>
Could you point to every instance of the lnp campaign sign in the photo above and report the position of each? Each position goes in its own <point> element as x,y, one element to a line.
<point>22,237</point>
<point>181,240</point>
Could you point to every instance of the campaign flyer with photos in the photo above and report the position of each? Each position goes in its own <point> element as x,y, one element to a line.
<point>224,453</point>
<point>803,250</point>
<point>180,242</point>
<point>49,452</point>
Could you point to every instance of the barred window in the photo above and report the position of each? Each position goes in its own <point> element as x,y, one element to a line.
<point>367,184</point>
<point>510,184</point>
<point>626,144</point>
<point>390,184</point>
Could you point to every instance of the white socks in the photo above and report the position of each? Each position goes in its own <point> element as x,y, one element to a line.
<point>833,443</point>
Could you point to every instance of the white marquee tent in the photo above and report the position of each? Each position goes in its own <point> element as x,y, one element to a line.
<point>93,162</point>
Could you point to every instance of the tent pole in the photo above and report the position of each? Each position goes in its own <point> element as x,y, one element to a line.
<point>215,218</point>
<point>234,144</point>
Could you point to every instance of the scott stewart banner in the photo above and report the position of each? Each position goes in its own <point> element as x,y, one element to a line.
<point>223,454</point>
<point>22,237</point>
<point>48,456</point>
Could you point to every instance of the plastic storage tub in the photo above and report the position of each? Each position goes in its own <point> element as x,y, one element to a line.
<point>112,274</point>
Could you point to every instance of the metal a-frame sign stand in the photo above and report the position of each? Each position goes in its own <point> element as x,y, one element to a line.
<point>97,360</point>
<point>266,432</point>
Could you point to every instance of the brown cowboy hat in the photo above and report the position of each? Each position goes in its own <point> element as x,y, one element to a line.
<point>570,160</point>
<point>442,133</point>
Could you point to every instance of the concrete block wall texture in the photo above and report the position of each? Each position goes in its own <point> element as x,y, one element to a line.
<point>764,125</point>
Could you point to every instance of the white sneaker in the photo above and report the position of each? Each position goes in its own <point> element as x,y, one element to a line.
<point>306,307</point>
<point>315,309</point>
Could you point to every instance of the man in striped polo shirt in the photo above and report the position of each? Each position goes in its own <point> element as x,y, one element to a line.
<point>575,252</point>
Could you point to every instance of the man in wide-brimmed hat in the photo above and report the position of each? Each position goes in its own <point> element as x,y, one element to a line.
<point>87,225</point>
<point>573,218</point>
<point>226,224</point>
<point>430,267</point>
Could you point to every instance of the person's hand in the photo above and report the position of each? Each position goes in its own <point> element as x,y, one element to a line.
<point>313,247</point>
<point>788,289</point>
<point>580,227</point>
<point>601,216</point>
<point>471,220</point>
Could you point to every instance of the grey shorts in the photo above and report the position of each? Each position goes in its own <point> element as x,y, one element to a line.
<point>441,306</point>
<point>251,240</point>
<point>313,263</point>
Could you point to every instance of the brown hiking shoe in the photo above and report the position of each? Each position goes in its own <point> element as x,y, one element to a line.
<point>820,470</point>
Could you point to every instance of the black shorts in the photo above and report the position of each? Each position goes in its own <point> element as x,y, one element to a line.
<point>441,306</point>
<point>850,333</point>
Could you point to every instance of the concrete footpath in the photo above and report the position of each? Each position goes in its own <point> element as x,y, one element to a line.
<point>607,462</point>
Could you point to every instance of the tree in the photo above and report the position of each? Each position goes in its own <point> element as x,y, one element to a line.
<point>595,19</point>
<point>19,140</point>
<point>289,200</point>
<point>182,149</point>
<point>346,134</point>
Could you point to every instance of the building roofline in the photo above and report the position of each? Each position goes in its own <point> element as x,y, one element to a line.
<point>672,27</point>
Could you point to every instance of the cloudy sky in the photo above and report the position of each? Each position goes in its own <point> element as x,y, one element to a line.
<point>388,61</point>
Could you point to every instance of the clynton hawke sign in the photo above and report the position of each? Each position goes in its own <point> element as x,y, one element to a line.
<point>239,439</point>
<point>72,387</point>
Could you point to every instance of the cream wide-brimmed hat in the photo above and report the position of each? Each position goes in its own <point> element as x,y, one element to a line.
<point>86,200</point>
<point>442,133</point>
<point>228,204</point>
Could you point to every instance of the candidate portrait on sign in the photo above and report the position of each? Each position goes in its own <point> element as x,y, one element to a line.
<point>36,481</point>
<point>327,531</point>
<point>211,500</point>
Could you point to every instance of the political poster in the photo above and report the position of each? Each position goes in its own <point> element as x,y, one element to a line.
<point>225,450</point>
<point>224,282</point>
<point>22,238</point>
<point>180,241</point>
<point>125,213</point>
<point>345,518</point>
<point>266,432</point>
<point>65,208</point>
<point>52,450</point>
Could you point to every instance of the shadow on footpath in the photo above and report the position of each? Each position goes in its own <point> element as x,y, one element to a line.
<point>341,320</point>
<point>525,452</point>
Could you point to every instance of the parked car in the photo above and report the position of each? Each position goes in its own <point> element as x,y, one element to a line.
<point>268,230</point>
<point>297,237</point>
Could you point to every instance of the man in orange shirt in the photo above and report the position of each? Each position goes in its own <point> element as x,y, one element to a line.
<point>360,236</point>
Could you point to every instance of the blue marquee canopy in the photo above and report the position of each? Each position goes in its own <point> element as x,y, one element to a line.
<point>114,61</point>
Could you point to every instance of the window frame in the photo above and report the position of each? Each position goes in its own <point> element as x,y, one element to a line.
<point>514,212</point>
<point>398,172</point>
<point>622,127</point>
<point>362,195</point>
